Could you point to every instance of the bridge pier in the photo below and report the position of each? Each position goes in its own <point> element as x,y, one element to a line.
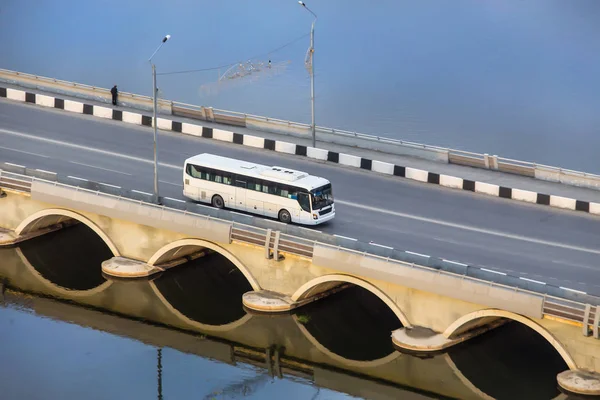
<point>122,267</point>
<point>417,339</point>
<point>267,301</point>
<point>580,382</point>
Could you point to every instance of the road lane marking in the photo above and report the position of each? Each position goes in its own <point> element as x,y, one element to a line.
<point>104,169</point>
<point>74,177</point>
<point>532,280</point>
<point>492,271</point>
<point>24,152</point>
<point>572,290</point>
<point>455,262</point>
<point>345,237</point>
<point>417,254</point>
<point>174,184</point>
<point>139,191</point>
<point>470,228</point>
<point>86,148</point>
<point>380,245</point>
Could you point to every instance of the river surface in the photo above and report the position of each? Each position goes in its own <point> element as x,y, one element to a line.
<point>514,78</point>
<point>68,332</point>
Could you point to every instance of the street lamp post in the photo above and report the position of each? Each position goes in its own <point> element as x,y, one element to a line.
<point>312,73</point>
<point>154,95</point>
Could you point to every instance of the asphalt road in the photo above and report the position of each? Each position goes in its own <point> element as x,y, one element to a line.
<point>536,242</point>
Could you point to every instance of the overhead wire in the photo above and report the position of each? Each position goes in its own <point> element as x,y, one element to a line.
<point>237,62</point>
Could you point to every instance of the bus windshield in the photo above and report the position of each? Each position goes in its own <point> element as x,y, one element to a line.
<point>322,197</point>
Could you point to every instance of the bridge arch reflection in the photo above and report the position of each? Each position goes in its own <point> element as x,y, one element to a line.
<point>458,326</point>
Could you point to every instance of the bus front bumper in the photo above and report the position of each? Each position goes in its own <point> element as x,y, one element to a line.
<point>323,218</point>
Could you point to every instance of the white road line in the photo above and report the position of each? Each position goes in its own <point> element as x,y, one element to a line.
<point>454,262</point>
<point>532,280</point>
<point>138,191</point>
<point>471,228</point>
<point>572,290</point>
<point>174,184</point>
<point>492,271</point>
<point>103,169</point>
<point>170,198</point>
<point>24,152</point>
<point>74,177</point>
<point>243,215</point>
<point>309,229</point>
<point>108,184</point>
<point>86,148</point>
<point>15,165</point>
<point>345,237</point>
<point>380,245</point>
<point>417,254</point>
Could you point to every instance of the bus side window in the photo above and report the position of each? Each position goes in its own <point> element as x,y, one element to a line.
<point>227,178</point>
<point>256,185</point>
<point>218,178</point>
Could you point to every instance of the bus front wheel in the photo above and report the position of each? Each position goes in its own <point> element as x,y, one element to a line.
<point>217,201</point>
<point>285,217</point>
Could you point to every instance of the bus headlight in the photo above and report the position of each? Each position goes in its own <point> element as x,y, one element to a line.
<point>315,216</point>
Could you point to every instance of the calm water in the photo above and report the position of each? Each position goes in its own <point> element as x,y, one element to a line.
<point>514,78</point>
<point>67,332</point>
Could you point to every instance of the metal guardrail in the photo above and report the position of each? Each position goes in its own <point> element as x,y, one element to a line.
<point>581,308</point>
<point>454,156</point>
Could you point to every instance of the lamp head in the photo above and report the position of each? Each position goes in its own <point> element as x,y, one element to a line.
<point>166,38</point>
<point>302,3</point>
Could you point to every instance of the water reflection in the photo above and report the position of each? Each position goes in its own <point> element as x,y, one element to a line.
<point>70,258</point>
<point>354,324</point>
<point>510,362</point>
<point>207,290</point>
<point>341,342</point>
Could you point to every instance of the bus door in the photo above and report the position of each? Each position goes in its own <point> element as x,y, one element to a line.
<point>254,202</point>
<point>304,201</point>
<point>240,195</point>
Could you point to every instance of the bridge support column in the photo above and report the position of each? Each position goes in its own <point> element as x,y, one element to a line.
<point>580,382</point>
<point>122,267</point>
<point>267,301</point>
<point>418,339</point>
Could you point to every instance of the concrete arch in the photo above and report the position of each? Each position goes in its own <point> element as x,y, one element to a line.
<point>345,361</point>
<point>30,222</point>
<point>208,245</point>
<point>456,325</point>
<point>304,289</point>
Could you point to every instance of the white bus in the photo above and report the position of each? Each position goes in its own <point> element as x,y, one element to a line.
<point>276,192</point>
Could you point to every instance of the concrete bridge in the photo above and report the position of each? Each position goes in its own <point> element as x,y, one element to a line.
<point>281,346</point>
<point>437,309</point>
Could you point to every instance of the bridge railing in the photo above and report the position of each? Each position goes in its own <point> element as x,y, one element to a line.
<point>280,239</point>
<point>335,136</point>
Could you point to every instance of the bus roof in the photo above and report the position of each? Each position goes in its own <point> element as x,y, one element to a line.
<point>275,174</point>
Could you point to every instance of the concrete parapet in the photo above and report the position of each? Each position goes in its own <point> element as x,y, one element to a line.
<point>580,382</point>
<point>428,280</point>
<point>145,214</point>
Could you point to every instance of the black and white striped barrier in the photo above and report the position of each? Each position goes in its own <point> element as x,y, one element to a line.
<point>300,150</point>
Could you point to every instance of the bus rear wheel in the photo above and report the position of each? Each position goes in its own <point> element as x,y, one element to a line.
<point>285,217</point>
<point>217,201</point>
